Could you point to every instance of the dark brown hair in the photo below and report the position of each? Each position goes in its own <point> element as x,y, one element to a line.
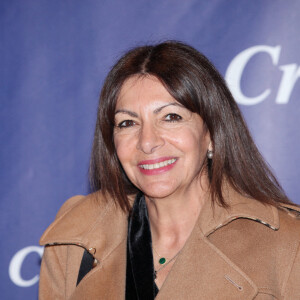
<point>194,82</point>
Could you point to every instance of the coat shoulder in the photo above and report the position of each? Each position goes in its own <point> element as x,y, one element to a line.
<point>93,223</point>
<point>75,216</point>
<point>67,205</point>
<point>82,202</point>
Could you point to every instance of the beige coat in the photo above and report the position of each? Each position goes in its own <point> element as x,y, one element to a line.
<point>250,251</point>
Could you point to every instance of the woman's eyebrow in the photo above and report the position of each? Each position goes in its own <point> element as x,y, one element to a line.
<point>128,112</point>
<point>156,111</point>
<point>159,109</point>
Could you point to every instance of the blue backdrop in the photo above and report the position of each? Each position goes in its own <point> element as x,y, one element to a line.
<point>54,56</point>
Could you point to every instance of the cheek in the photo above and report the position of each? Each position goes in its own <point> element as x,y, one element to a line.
<point>193,145</point>
<point>118,147</point>
<point>187,141</point>
<point>123,150</point>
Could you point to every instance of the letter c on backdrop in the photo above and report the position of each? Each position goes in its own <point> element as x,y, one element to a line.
<point>236,67</point>
<point>16,263</point>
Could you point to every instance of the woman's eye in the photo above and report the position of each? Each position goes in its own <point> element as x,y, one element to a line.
<point>173,118</point>
<point>126,123</point>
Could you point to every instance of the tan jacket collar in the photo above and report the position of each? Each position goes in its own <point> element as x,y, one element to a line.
<point>100,226</point>
<point>214,216</point>
<point>90,222</point>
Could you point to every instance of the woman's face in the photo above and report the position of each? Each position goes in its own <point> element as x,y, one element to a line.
<point>160,144</point>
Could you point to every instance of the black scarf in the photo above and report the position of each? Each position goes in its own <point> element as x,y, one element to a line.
<point>140,283</point>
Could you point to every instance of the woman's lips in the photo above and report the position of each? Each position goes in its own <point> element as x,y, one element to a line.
<point>157,166</point>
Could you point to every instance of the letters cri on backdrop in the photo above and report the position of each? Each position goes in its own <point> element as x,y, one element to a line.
<point>237,66</point>
<point>233,77</point>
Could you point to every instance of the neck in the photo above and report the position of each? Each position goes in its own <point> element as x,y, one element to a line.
<point>173,218</point>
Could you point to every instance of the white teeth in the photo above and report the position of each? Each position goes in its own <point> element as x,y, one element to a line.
<point>158,165</point>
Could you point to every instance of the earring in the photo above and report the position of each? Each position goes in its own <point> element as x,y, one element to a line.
<point>210,154</point>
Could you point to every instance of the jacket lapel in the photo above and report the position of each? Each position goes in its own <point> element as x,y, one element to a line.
<point>101,228</point>
<point>106,281</point>
<point>201,271</point>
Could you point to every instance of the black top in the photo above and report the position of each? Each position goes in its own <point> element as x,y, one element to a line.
<point>140,276</point>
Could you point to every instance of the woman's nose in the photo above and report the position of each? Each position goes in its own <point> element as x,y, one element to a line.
<point>150,139</point>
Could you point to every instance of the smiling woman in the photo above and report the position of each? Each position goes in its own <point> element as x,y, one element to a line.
<point>184,205</point>
<point>161,145</point>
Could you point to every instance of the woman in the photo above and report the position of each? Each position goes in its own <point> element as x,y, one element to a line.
<point>185,206</point>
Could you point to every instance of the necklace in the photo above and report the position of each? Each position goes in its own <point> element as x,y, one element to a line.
<point>162,261</point>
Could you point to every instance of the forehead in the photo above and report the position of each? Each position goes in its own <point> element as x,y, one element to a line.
<point>142,90</point>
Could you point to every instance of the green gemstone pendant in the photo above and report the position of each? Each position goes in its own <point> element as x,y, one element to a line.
<point>162,260</point>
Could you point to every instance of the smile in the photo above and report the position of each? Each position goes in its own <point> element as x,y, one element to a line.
<point>158,165</point>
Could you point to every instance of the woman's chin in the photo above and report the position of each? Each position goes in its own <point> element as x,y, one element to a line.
<point>158,187</point>
<point>158,191</point>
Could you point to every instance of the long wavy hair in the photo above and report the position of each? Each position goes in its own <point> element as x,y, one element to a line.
<point>195,83</point>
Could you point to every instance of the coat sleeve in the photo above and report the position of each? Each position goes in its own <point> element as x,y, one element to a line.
<point>292,286</point>
<point>53,273</point>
